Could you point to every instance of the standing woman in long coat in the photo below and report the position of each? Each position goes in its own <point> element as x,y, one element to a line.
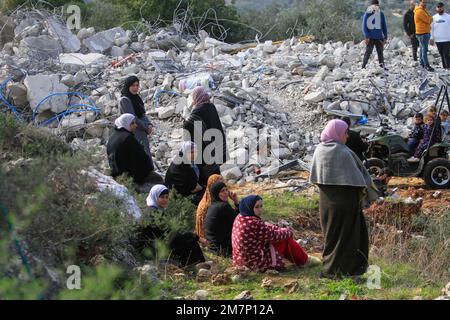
<point>205,114</point>
<point>131,102</point>
<point>345,186</point>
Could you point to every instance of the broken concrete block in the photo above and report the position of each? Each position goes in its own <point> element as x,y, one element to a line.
<point>356,108</point>
<point>80,77</point>
<point>166,112</point>
<point>60,31</point>
<point>73,120</point>
<point>240,157</point>
<point>95,129</point>
<point>18,92</point>
<point>234,173</point>
<point>227,120</point>
<point>117,52</point>
<point>269,48</point>
<point>132,69</point>
<point>121,40</point>
<point>336,105</point>
<point>68,80</point>
<point>40,86</point>
<point>31,31</point>
<point>78,60</point>
<point>103,41</point>
<point>327,61</point>
<point>23,25</point>
<point>137,47</point>
<point>282,153</point>
<point>40,48</point>
<point>85,33</point>
<point>320,76</point>
<point>294,145</point>
<point>315,97</point>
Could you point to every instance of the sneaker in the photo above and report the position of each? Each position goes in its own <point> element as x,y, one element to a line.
<point>413,159</point>
<point>383,67</point>
<point>312,262</point>
<point>429,68</point>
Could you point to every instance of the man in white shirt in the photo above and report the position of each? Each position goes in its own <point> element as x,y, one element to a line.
<point>440,34</point>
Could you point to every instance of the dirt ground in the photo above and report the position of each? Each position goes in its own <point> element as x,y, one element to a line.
<point>434,201</point>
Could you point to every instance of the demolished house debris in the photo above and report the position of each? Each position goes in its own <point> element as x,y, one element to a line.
<point>293,86</point>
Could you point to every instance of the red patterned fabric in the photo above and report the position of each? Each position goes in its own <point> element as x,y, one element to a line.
<point>253,241</point>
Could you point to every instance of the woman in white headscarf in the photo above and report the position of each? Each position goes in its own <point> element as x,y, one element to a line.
<point>184,175</point>
<point>126,155</point>
<point>155,226</point>
<point>158,198</point>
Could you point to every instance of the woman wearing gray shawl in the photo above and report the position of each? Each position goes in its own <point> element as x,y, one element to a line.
<point>345,187</point>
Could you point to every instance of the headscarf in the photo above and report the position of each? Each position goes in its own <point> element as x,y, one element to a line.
<point>335,130</point>
<point>185,150</point>
<point>200,96</point>
<point>136,100</point>
<point>204,205</point>
<point>156,192</point>
<point>215,190</point>
<point>124,121</point>
<point>247,205</point>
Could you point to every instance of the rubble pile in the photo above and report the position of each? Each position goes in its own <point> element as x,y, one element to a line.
<point>291,88</point>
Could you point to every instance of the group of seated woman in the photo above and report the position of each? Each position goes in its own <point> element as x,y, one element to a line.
<point>230,230</point>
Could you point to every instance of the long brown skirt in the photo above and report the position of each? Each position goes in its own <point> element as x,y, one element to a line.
<point>346,251</point>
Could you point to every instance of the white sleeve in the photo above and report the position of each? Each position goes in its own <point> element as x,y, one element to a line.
<point>432,28</point>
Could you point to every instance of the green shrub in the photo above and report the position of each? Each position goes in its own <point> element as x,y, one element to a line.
<point>61,214</point>
<point>179,216</point>
<point>105,15</point>
<point>322,17</point>
<point>19,140</point>
<point>11,5</point>
<point>110,282</point>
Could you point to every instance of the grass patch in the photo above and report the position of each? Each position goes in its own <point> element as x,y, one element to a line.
<point>398,282</point>
<point>288,204</point>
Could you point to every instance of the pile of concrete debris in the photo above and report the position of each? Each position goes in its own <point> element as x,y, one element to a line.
<point>291,88</point>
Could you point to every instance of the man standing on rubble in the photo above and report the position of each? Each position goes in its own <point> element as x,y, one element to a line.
<point>423,22</point>
<point>409,27</point>
<point>375,31</point>
<point>440,34</point>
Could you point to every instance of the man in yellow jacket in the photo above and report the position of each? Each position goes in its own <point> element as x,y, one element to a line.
<point>423,20</point>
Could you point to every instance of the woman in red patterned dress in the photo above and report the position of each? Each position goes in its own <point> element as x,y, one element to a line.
<point>261,246</point>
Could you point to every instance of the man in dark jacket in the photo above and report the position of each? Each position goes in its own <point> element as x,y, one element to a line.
<point>126,155</point>
<point>355,142</point>
<point>375,32</point>
<point>409,27</point>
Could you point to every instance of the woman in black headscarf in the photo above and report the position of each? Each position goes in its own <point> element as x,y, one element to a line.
<point>131,102</point>
<point>219,220</point>
<point>183,174</point>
